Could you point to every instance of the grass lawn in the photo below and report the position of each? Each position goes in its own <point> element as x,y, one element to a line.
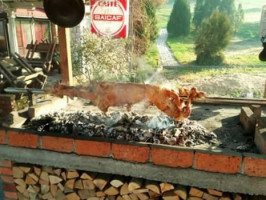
<point>153,56</point>
<point>163,14</point>
<point>190,73</point>
<point>182,48</point>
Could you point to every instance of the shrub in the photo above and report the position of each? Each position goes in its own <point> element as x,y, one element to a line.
<point>100,58</point>
<point>179,21</point>
<point>212,38</point>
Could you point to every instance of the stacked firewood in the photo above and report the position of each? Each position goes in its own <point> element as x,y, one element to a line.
<point>61,184</point>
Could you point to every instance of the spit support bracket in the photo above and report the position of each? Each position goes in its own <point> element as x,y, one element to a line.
<point>31,93</point>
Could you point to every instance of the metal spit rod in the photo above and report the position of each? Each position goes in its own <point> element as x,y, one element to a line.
<point>23,90</point>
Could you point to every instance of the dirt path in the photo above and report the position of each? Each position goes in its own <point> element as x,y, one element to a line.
<point>166,55</point>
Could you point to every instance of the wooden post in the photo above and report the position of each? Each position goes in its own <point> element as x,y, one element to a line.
<point>65,55</point>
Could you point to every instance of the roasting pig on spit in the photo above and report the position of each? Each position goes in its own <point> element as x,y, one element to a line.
<point>105,95</point>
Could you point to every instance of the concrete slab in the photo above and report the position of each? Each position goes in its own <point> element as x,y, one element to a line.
<point>190,177</point>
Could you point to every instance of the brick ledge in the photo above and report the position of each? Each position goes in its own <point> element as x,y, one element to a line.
<point>190,177</point>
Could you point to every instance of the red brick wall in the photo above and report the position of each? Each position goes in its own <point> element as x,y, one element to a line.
<point>6,175</point>
<point>161,155</point>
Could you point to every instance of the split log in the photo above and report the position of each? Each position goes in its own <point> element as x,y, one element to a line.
<point>60,186</point>
<point>215,192</point>
<point>36,188</point>
<point>22,197</point>
<point>34,177</point>
<point>93,198</point>
<point>124,189</point>
<point>31,190</point>
<point>34,196</point>
<point>118,181</point>
<point>26,193</point>
<point>140,191</point>
<point>78,185</point>
<point>88,175</point>
<point>166,187</point>
<point>47,169</point>
<point>53,190</point>
<point>133,197</point>
<point>84,194</point>
<point>72,174</point>
<point>126,197</point>
<point>70,184</point>
<point>181,191</point>
<point>21,189</point>
<point>57,172</point>
<point>237,197</point>
<point>88,184</point>
<point>207,196</point>
<point>20,182</point>
<point>119,198</point>
<point>170,195</point>
<point>63,174</point>
<point>195,198</point>
<point>100,194</point>
<point>111,190</point>
<point>54,179</point>
<point>29,180</point>
<point>142,196</point>
<point>153,195</point>
<point>111,197</point>
<point>101,180</point>
<point>37,171</point>
<point>48,196</point>
<point>194,192</point>
<point>225,197</point>
<point>18,172</point>
<point>72,196</point>
<point>60,195</point>
<point>44,178</point>
<point>134,184</point>
<point>153,186</point>
<point>45,189</point>
<point>25,169</point>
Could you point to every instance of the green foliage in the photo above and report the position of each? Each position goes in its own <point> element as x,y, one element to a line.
<point>212,38</point>
<point>204,8</point>
<point>99,58</point>
<point>179,21</point>
<point>238,18</point>
<point>145,28</point>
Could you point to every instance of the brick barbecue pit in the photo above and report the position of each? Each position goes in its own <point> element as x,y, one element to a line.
<point>113,148</point>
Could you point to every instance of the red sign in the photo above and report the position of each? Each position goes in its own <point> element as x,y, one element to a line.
<point>110,17</point>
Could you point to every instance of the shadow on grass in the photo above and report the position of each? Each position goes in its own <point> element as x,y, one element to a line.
<point>248,30</point>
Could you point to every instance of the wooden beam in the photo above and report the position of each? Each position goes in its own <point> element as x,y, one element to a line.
<point>65,55</point>
<point>230,101</point>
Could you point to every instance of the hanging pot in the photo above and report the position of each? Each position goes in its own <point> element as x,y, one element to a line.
<point>64,13</point>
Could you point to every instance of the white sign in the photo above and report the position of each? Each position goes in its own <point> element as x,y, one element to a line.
<point>110,17</point>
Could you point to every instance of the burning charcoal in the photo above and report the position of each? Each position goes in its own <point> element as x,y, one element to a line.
<point>156,141</point>
<point>171,141</point>
<point>189,143</point>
